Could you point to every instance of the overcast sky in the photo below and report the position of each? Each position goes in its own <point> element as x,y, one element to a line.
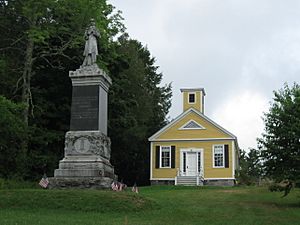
<point>238,50</point>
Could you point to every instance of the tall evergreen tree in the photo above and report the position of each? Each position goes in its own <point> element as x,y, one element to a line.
<point>138,107</point>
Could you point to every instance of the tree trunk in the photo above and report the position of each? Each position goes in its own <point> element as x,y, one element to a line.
<point>26,98</point>
<point>26,77</point>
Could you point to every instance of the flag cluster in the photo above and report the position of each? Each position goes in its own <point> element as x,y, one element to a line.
<point>135,188</point>
<point>44,182</point>
<point>118,186</point>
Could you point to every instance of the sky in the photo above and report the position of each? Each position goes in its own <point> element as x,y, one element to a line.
<point>239,51</point>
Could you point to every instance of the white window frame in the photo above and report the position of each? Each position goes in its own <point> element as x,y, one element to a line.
<point>213,156</point>
<point>195,99</point>
<point>160,156</point>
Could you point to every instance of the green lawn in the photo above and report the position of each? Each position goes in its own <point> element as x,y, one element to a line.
<point>153,205</point>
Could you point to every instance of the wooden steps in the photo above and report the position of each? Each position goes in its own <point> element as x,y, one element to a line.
<point>188,181</point>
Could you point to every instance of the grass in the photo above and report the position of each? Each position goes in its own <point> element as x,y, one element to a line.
<point>17,184</point>
<point>153,205</point>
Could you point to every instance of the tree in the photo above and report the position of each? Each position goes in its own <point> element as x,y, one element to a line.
<point>12,130</point>
<point>137,108</point>
<point>280,144</point>
<point>250,167</point>
<point>43,32</point>
<point>40,42</point>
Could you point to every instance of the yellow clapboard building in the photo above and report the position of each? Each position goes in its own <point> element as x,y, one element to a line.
<point>193,149</point>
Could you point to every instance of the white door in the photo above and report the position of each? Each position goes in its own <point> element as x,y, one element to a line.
<point>191,163</point>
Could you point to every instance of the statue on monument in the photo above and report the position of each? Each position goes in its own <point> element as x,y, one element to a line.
<point>91,50</point>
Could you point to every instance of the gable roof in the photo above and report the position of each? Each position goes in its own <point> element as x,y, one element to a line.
<point>182,115</point>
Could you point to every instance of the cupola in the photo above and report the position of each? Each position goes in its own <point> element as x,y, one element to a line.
<point>193,98</point>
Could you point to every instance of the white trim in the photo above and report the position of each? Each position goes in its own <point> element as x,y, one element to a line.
<point>202,102</point>
<point>233,158</point>
<point>237,155</point>
<point>195,150</point>
<point>164,178</point>
<point>223,178</point>
<point>160,158</point>
<point>191,110</point>
<point>152,138</point>
<point>195,98</point>
<point>193,139</point>
<point>202,162</point>
<point>196,128</point>
<point>213,157</point>
<point>151,157</point>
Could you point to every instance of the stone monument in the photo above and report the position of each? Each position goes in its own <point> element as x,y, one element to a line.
<point>87,147</point>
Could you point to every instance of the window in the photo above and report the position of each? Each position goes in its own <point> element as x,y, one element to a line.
<point>218,151</point>
<point>192,98</point>
<point>165,157</point>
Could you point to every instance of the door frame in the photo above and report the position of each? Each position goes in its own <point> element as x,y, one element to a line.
<point>192,150</point>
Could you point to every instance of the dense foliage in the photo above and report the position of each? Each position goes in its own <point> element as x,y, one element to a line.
<point>250,170</point>
<point>280,144</point>
<point>12,133</point>
<point>138,108</point>
<point>41,41</point>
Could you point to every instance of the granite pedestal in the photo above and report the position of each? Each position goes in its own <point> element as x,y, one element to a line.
<point>87,147</point>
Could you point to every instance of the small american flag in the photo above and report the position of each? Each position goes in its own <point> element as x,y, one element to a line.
<point>114,186</point>
<point>135,188</point>
<point>120,186</point>
<point>44,182</point>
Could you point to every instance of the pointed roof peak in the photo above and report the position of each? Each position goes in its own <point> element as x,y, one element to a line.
<point>191,110</point>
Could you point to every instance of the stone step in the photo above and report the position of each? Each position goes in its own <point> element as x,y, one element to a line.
<point>186,183</point>
<point>180,178</point>
<point>77,173</point>
<point>187,180</point>
<point>82,173</point>
<point>80,182</point>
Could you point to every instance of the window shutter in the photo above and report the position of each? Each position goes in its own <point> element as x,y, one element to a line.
<point>173,156</point>
<point>226,152</point>
<point>157,156</point>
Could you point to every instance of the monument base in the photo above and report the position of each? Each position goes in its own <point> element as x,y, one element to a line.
<point>84,166</point>
<point>86,163</point>
<point>80,183</point>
